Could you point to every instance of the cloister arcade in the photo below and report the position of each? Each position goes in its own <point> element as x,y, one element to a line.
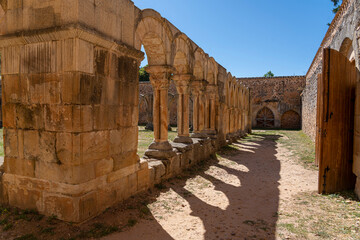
<point>71,104</point>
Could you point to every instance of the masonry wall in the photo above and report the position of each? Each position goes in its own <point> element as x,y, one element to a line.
<point>281,95</point>
<point>342,27</point>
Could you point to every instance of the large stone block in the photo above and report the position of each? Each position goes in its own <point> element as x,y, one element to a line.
<point>9,115</point>
<point>65,174</point>
<point>125,159</point>
<point>88,206</point>
<point>12,89</point>
<point>81,88</point>
<point>30,116</point>
<point>11,143</point>
<point>143,179</point>
<point>123,140</point>
<point>20,167</point>
<point>31,145</point>
<point>24,198</point>
<point>103,167</point>
<point>82,118</point>
<point>63,207</point>
<point>105,117</point>
<point>94,146</point>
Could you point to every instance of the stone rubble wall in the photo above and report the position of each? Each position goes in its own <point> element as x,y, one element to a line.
<point>279,94</point>
<point>343,26</point>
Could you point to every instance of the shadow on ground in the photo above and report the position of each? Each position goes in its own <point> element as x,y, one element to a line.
<point>251,208</point>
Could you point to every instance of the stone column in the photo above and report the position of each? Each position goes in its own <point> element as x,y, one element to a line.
<point>212,96</point>
<point>197,89</point>
<point>160,80</point>
<point>182,83</point>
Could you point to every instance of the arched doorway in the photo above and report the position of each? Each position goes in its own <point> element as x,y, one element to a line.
<point>265,118</point>
<point>290,120</point>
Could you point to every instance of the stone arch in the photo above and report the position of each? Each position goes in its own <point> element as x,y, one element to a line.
<point>153,32</point>
<point>183,54</point>
<point>291,120</point>
<point>233,95</point>
<point>228,89</point>
<point>265,118</point>
<point>212,71</point>
<point>346,49</point>
<point>199,65</point>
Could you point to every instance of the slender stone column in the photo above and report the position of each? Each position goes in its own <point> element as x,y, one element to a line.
<point>197,89</point>
<point>212,96</point>
<point>182,83</point>
<point>160,80</point>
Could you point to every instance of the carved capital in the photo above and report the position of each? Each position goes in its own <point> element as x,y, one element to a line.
<point>198,87</point>
<point>182,82</point>
<point>160,76</point>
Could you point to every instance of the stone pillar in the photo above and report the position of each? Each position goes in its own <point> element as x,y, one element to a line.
<point>182,83</point>
<point>211,99</point>
<point>197,89</point>
<point>70,97</point>
<point>160,80</point>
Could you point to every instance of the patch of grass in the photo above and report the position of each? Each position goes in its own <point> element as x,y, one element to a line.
<point>145,210</point>
<point>146,137</point>
<point>160,186</point>
<point>49,230</point>
<point>132,222</point>
<point>98,230</point>
<point>8,226</point>
<point>51,220</point>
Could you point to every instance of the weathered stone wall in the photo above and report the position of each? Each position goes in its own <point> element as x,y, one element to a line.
<point>278,94</point>
<point>341,36</point>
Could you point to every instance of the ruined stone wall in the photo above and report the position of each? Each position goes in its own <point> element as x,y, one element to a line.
<point>343,27</point>
<point>278,94</point>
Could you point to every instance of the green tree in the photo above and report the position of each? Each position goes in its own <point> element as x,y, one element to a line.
<point>337,4</point>
<point>143,75</point>
<point>269,74</point>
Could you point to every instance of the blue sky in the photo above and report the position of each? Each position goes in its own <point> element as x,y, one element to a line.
<point>251,37</point>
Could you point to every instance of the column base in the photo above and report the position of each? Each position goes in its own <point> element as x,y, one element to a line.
<point>160,151</point>
<point>183,139</point>
<point>199,135</point>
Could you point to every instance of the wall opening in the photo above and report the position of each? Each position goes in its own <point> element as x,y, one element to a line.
<point>265,118</point>
<point>291,120</point>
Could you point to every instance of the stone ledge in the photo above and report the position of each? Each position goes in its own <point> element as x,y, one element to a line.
<point>67,32</point>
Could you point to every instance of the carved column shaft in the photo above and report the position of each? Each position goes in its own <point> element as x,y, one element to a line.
<point>182,83</point>
<point>160,80</point>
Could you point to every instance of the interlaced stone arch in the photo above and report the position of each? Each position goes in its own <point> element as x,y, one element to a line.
<point>154,34</point>
<point>199,65</point>
<point>347,49</point>
<point>183,54</point>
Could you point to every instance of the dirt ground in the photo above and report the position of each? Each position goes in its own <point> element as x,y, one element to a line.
<point>236,197</point>
<point>254,189</point>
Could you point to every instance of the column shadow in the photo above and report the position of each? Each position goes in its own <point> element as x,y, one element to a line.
<point>251,210</point>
